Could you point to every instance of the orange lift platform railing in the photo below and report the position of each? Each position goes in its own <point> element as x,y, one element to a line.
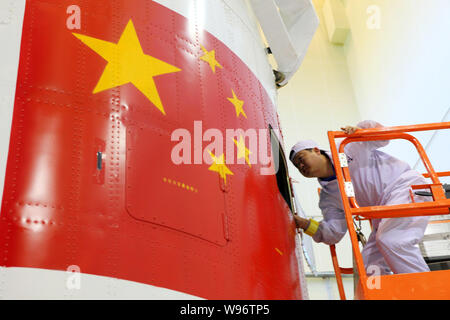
<point>408,286</point>
<point>339,271</point>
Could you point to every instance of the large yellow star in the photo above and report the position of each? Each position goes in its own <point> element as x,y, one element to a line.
<point>210,57</point>
<point>219,166</point>
<point>127,63</point>
<point>243,152</point>
<point>237,104</point>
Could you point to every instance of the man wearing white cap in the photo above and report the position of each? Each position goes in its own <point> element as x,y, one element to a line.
<point>378,180</point>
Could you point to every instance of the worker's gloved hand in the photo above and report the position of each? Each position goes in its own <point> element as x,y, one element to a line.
<point>350,129</point>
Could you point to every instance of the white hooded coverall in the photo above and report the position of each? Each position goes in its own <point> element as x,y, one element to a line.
<point>378,180</point>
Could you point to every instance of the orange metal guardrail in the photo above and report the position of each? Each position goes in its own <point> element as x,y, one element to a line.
<point>426,285</point>
<point>339,271</point>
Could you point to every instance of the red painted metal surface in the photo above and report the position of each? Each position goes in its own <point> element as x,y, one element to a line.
<point>90,181</point>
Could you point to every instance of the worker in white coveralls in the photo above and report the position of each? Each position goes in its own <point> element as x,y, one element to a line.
<point>378,180</point>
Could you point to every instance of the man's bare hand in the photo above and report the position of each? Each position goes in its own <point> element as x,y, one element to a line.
<point>350,129</point>
<point>301,222</point>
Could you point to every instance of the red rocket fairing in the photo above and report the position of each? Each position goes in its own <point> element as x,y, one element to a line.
<point>90,178</point>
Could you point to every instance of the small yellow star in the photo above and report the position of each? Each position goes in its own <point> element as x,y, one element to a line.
<point>210,57</point>
<point>127,63</point>
<point>219,166</point>
<point>243,152</point>
<point>237,104</point>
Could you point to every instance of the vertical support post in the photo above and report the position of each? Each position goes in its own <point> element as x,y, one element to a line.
<point>348,214</point>
<point>337,271</point>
